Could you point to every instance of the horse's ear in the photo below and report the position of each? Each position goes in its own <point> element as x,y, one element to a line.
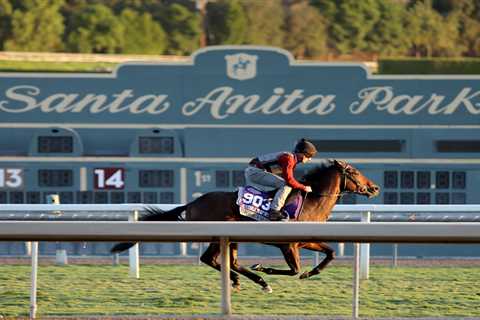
<point>340,163</point>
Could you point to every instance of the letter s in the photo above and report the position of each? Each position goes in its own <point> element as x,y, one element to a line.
<point>30,103</point>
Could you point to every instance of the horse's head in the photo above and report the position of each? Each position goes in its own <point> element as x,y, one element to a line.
<point>352,180</point>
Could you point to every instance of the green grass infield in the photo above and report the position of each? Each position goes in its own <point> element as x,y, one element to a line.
<point>84,290</point>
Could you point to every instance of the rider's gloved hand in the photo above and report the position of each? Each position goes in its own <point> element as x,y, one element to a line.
<point>308,189</point>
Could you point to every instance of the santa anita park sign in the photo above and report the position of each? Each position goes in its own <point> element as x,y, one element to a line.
<point>240,85</point>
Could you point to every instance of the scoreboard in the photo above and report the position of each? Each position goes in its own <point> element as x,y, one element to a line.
<point>157,165</point>
<point>167,133</point>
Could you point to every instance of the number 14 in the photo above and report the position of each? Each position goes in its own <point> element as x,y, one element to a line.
<point>109,178</point>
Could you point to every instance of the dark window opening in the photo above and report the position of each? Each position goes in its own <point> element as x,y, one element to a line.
<point>149,197</point>
<point>16,197</point>
<point>407,179</point>
<point>459,198</point>
<point>167,197</point>
<point>61,144</point>
<point>66,197</point>
<point>442,198</point>
<point>155,178</point>
<point>457,146</point>
<point>117,197</point>
<point>134,197</point>
<point>360,145</point>
<point>423,198</point>
<point>443,179</point>
<point>390,198</point>
<point>100,197</point>
<point>459,179</point>
<point>390,179</point>
<point>407,198</point>
<point>423,179</point>
<point>33,197</point>
<point>84,197</point>
<point>222,178</point>
<point>152,145</point>
<point>238,177</point>
<point>55,178</point>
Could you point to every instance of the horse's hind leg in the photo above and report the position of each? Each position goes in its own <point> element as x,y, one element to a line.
<point>319,247</point>
<point>209,257</point>
<point>244,271</point>
<point>292,258</point>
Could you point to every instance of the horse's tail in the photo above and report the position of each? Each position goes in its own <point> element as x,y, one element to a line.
<point>153,214</point>
<point>157,214</point>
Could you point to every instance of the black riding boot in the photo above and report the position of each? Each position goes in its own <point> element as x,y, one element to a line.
<point>276,215</point>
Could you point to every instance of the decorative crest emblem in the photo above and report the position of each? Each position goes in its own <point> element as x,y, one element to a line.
<point>241,66</point>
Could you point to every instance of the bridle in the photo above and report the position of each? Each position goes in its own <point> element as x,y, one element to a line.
<point>345,175</point>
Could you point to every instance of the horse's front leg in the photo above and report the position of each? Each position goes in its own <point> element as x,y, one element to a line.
<point>292,258</point>
<point>319,247</point>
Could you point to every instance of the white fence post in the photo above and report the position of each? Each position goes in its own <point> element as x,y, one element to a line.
<point>356,279</point>
<point>33,279</point>
<point>395,255</point>
<point>200,252</point>
<point>226,290</point>
<point>133,252</point>
<point>60,252</point>
<point>365,251</point>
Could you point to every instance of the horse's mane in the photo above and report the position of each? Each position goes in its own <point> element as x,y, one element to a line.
<point>318,171</point>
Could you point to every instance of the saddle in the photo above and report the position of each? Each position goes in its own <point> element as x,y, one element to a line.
<point>255,204</point>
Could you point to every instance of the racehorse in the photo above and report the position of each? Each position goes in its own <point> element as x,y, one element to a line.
<point>328,184</point>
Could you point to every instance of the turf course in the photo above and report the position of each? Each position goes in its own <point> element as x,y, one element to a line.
<point>186,290</point>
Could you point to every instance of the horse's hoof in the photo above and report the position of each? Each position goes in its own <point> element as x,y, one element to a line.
<point>304,275</point>
<point>256,267</point>
<point>267,289</point>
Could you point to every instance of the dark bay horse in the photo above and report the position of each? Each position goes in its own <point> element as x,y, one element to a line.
<point>328,183</point>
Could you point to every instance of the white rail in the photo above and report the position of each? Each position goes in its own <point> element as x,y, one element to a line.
<point>347,208</point>
<point>226,232</point>
<point>428,232</point>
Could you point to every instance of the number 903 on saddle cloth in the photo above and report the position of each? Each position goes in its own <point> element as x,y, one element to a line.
<point>255,204</point>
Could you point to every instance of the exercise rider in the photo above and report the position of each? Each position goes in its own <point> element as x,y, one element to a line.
<point>275,170</point>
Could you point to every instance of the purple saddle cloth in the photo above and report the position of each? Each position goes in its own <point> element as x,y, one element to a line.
<point>255,203</point>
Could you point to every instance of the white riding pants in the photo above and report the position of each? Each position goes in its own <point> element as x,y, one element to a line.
<point>266,181</point>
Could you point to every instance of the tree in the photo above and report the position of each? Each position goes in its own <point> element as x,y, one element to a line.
<point>183,29</point>
<point>306,31</point>
<point>142,33</point>
<point>6,11</point>
<point>389,36</point>
<point>265,22</point>
<point>37,27</point>
<point>350,23</point>
<point>96,30</point>
<point>468,13</point>
<point>430,33</point>
<point>227,22</point>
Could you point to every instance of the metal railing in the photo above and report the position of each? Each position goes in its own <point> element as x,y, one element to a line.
<point>226,232</point>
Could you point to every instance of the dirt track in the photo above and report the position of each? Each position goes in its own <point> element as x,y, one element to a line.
<point>249,261</point>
